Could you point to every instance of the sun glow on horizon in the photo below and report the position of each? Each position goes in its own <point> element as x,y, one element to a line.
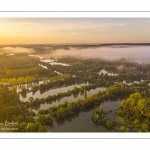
<point>73,30</point>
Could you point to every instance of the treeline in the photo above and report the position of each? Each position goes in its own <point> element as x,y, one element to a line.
<point>63,110</point>
<point>133,115</point>
<point>13,110</point>
<point>41,124</point>
<point>26,72</point>
<point>16,62</point>
<point>135,110</point>
<point>57,81</point>
<point>95,65</point>
<point>34,78</point>
<point>10,106</point>
<point>89,68</point>
<point>56,78</point>
<point>99,117</point>
<point>36,102</point>
<point>20,80</point>
<point>126,70</point>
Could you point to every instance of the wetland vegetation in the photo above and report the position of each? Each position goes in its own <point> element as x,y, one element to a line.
<point>52,91</point>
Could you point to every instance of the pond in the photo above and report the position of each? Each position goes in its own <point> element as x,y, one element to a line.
<point>49,92</point>
<point>82,122</point>
<point>71,98</point>
<point>26,85</point>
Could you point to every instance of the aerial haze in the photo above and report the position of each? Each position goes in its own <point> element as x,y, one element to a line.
<point>74,74</point>
<point>74,30</point>
<point>133,53</point>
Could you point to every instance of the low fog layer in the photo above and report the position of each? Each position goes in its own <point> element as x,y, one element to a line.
<point>139,54</point>
<point>17,50</point>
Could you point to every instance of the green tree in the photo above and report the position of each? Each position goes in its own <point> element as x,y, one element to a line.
<point>122,129</point>
<point>42,129</point>
<point>85,94</point>
<point>23,91</point>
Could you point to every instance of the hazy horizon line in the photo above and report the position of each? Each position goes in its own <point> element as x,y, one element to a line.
<point>142,43</point>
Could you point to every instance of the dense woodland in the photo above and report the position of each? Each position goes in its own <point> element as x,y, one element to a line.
<point>21,69</point>
<point>133,115</point>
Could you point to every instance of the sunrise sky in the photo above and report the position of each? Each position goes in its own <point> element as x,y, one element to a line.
<point>74,30</point>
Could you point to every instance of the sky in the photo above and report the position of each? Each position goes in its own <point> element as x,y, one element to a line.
<point>74,30</point>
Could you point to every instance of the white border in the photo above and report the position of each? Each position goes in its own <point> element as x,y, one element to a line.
<point>76,135</point>
<point>79,135</point>
<point>74,5</point>
<point>74,14</point>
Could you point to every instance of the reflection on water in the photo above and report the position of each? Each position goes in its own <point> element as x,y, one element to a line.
<point>27,86</point>
<point>111,105</point>
<point>71,98</point>
<point>50,92</point>
<point>82,121</point>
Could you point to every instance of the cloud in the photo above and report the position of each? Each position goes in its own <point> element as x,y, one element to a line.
<point>89,25</point>
<point>76,26</point>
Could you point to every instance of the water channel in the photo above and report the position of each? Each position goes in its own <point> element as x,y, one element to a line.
<point>82,122</point>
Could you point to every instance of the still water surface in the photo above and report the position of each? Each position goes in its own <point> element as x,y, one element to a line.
<point>71,98</point>
<point>49,92</point>
<point>82,122</point>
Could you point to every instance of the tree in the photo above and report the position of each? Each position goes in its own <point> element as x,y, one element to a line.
<point>85,94</point>
<point>41,119</point>
<point>145,127</point>
<point>42,129</point>
<point>101,109</point>
<point>20,118</point>
<point>75,89</point>
<point>31,99</point>
<point>35,127</point>
<point>122,129</point>
<point>23,91</point>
